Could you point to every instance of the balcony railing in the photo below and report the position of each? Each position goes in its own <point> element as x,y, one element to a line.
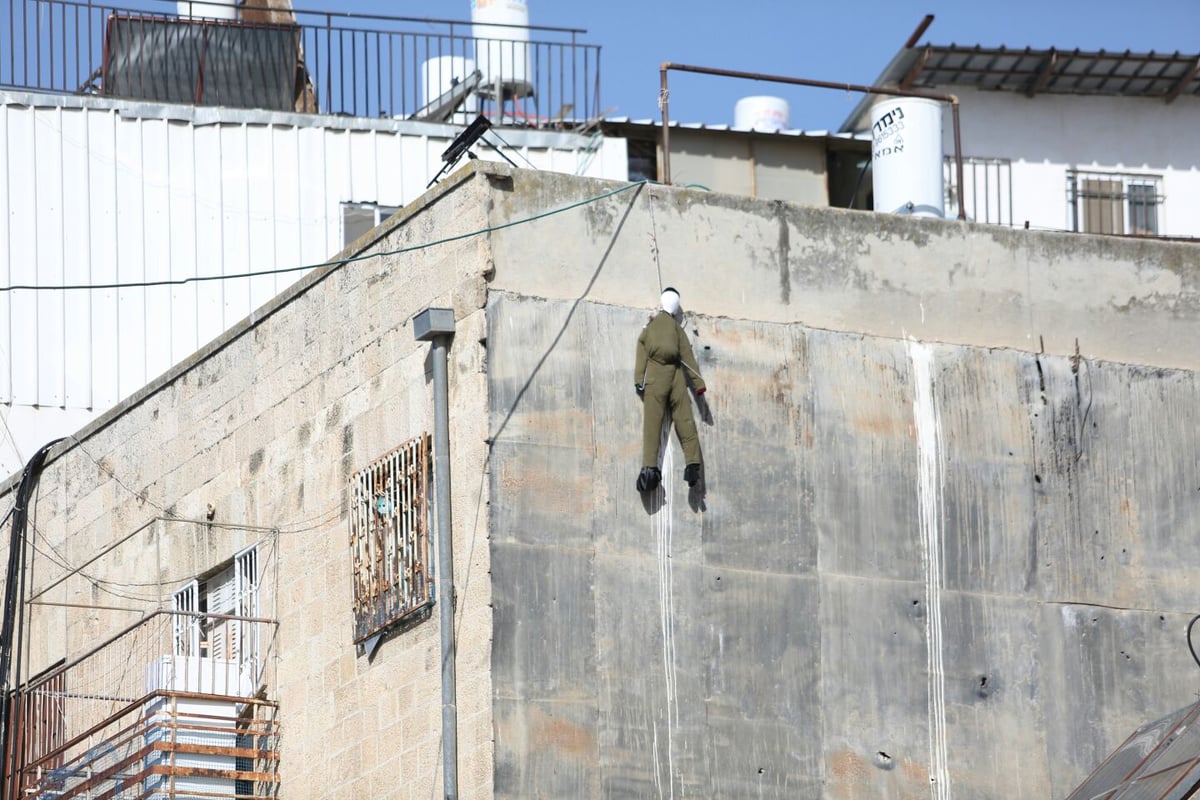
<point>322,62</point>
<point>132,719</point>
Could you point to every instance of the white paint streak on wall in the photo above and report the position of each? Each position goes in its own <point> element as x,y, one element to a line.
<point>929,443</point>
<point>663,523</point>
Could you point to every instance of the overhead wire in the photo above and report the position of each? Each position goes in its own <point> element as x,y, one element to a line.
<point>341,262</point>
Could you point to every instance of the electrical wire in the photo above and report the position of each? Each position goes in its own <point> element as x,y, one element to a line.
<point>1192,649</point>
<point>330,264</point>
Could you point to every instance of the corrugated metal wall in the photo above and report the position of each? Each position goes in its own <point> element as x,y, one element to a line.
<point>97,195</point>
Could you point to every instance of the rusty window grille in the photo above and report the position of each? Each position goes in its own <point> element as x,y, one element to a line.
<point>389,539</point>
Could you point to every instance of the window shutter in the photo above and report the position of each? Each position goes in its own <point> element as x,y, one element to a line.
<point>186,629</point>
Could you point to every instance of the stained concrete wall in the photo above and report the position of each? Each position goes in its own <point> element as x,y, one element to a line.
<point>913,563</point>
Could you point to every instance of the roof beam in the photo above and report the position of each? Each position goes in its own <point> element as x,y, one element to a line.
<point>1182,83</point>
<point>911,76</point>
<point>1043,76</point>
<point>919,32</point>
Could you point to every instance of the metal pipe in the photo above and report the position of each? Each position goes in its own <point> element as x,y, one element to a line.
<point>437,325</point>
<point>441,478</point>
<point>665,169</point>
<point>664,163</point>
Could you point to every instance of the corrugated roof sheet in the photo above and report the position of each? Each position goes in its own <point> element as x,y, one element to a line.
<point>704,126</point>
<point>1032,72</point>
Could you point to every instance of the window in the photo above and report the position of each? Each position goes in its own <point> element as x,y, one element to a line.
<point>389,539</point>
<point>231,591</point>
<point>643,159</point>
<point>358,218</point>
<point>1114,203</point>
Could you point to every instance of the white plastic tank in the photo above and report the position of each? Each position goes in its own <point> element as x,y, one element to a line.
<point>906,156</point>
<point>501,51</point>
<point>210,9</point>
<point>439,75</point>
<point>762,113</point>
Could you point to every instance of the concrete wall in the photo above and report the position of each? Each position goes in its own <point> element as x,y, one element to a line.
<point>925,550</point>
<point>912,562</point>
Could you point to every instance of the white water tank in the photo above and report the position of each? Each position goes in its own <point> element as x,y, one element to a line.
<point>762,113</point>
<point>501,31</point>
<point>906,156</point>
<point>439,75</point>
<point>211,9</point>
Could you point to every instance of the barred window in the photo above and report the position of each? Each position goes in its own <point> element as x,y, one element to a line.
<point>1114,203</point>
<point>389,539</point>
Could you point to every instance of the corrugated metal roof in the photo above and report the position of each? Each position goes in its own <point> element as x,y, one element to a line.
<point>1159,761</point>
<point>704,126</point>
<point>1032,72</point>
<point>1052,71</point>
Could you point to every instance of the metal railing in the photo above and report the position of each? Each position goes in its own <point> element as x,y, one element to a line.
<point>359,65</point>
<point>131,718</point>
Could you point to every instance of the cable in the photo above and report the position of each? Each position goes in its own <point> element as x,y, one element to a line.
<point>332,264</point>
<point>1189,640</point>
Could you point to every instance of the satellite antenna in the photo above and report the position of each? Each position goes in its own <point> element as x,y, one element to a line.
<point>462,145</point>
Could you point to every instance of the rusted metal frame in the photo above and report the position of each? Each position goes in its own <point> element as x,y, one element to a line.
<point>1044,74</point>
<point>1182,83</point>
<point>389,554</point>
<point>137,728</point>
<point>909,77</point>
<point>664,174</point>
<point>137,705</point>
<point>1135,75</point>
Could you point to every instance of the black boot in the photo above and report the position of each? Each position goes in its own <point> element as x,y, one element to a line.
<point>691,474</point>
<point>649,479</point>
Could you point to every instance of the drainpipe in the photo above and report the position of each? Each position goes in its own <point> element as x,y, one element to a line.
<point>437,325</point>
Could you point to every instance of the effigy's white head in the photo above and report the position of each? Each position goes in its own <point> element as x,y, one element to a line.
<point>670,301</point>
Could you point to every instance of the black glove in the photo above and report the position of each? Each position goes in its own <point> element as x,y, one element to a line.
<point>640,389</point>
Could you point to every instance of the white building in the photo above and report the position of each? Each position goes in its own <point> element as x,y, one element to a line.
<point>104,191</point>
<point>1093,142</point>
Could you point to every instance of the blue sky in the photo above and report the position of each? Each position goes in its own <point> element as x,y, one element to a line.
<point>850,40</point>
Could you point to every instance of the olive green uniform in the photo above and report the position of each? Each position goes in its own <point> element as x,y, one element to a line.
<point>663,354</point>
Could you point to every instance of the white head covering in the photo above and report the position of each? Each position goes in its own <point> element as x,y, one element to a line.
<point>670,301</point>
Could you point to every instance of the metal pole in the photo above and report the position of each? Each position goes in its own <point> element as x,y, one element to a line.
<point>437,325</point>
<point>441,479</point>
<point>847,87</point>
<point>664,163</point>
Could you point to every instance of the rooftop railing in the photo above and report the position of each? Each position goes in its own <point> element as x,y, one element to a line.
<point>323,62</point>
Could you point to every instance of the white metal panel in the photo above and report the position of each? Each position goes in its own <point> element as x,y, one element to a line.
<point>235,192</point>
<point>20,187</point>
<point>156,238</point>
<point>364,175</point>
<point>6,252</point>
<point>131,256</point>
<point>102,223</point>
<point>77,255</point>
<point>310,166</point>
<point>48,228</point>
<point>183,208</point>
<point>260,217</point>
<point>286,204</point>
<point>209,227</point>
<point>26,428</point>
<point>337,186</point>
